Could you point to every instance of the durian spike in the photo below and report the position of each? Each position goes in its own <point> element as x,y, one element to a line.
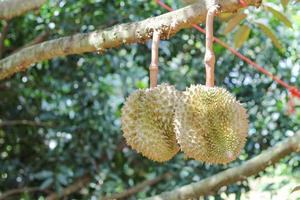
<point>153,68</point>
<point>209,58</point>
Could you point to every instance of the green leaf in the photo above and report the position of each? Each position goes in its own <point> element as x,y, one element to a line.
<point>225,16</point>
<point>46,183</point>
<point>241,36</point>
<point>279,16</point>
<point>271,35</point>
<point>233,22</point>
<point>284,3</point>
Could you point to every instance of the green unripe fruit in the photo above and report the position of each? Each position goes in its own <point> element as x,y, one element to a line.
<point>210,124</point>
<point>147,122</point>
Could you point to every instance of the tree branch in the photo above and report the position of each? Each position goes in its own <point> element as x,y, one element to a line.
<point>251,167</point>
<point>25,123</point>
<point>12,192</point>
<point>137,188</point>
<point>77,185</point>
<point>14,8</point>
<point>168,24</point>
<point>82,181</point>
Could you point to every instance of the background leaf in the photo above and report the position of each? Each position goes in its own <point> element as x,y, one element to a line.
<point>279,16</point>
<point>284,3</point>
<point>241,36</point>
<point>270,34</point>
<point>233,22</point>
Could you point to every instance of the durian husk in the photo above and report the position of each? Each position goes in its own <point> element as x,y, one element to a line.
<point>210,124</point>
<point>147,122</point>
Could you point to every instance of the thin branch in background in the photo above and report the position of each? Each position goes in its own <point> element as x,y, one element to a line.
<point>3,36</point>
<point>82,181</point>
<point>18,191</point>
<point>251,167</point>
<point>74,187</point>
<point>139,187</point>
<point>25,123</point>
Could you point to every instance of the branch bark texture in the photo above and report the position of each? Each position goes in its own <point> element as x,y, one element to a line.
<point>251,167</point>
<point>14,8</point>
<point>137,32</point>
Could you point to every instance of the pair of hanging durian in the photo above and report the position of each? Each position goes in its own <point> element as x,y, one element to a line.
<point>207,123</point>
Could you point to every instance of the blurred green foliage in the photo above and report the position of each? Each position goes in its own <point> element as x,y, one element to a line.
<point>80,97</point>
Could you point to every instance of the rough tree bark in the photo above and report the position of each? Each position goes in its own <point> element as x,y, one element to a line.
<point>14,8</point>
<point>168,24</point>
<point>251,167</point>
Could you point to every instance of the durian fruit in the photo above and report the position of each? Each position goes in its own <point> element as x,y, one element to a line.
<point>147,122</point>
<point>210,124</point>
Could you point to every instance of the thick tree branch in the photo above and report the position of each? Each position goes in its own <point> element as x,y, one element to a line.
<point>137,188</point>
<point>14,8</point>
<point>168,24</point>
<point>251,167</point>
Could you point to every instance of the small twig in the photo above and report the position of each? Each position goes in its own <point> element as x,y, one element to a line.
<point>139,187</point>
<point>3,36</point>
<point>154,59</point>
<point>209,59</point>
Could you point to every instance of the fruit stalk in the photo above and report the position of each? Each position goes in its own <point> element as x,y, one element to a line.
<point>209,58</point>
<point>153,68</point>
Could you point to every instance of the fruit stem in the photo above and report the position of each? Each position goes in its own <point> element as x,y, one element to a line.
<point>209,58</point>
<point>153,68</point>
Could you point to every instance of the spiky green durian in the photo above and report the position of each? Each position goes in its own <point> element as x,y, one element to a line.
<point>147,122</point>
<point>210,124</point>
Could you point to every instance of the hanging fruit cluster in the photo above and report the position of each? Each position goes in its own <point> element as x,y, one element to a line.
<point>206,122</point>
